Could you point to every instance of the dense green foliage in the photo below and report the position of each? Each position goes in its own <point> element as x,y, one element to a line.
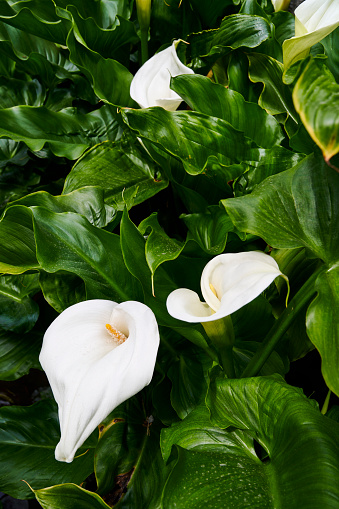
<point>103,200</point>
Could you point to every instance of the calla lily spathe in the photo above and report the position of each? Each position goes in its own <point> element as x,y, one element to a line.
<point>151,84</point>
<point>228,282</point>
<point>144,13</point>
<point>96,354</point>
<point>281,5</point>
<point>314,20</point>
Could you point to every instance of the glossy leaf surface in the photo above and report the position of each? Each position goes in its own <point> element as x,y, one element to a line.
<point>224,461</point>
<point>120,169</point>
<point>28,450</point>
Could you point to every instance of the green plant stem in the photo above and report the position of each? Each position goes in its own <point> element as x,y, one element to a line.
<point>221,334</point>
<point>297,304</point>
<point>226,356</point>
<point>144,45</point>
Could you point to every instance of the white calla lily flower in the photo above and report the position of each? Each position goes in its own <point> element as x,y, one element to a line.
<point>151,84</point>
<point>96,354</point>
<point>281,5</point>
<point>228,282</point>
<point>314,20</point>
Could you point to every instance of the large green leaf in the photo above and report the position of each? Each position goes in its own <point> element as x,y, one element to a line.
<point>68,133</point>
<point>193,137</point>
<point>107,42</point>
<point>196,432</point>
<point>301,466</point>
<point>111,80</point>
<point>203,95</point>
<point>37,18</point>
<point>69,496</point>
<point>87,201</point>
<point>67,241</point>
<point>236,31</point>
<point>120,169</point>
<point>275,96</point>
<point>316,99</point>
<point>322,322</point>
<point>296,208</point>
<point>35,55</point>
<point>28,436</point>
<point>17,243</point>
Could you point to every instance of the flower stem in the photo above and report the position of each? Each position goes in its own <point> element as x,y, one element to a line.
<point>297,304</point>
<point>144,46</point>
<point>226,356</point>
<point>221,334</point>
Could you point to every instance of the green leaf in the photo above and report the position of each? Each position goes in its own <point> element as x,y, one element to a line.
<point>194,138</point>
<point>69,496</point>
<point>217,466</point>
<point>111,80</point>
<point>28,436</point>
<point>159,246</point>
<point>275,97</point>
<point>330,43</point>
<point>68,133</point>
<point>14,92</point>
<point>17,243</point>
<point>276,160</point>
<point>133,250</point>
<point>34,55</point>
<point>322,322</point>
<point>236,31</point>
<point>67,241</point>
<point>197,433</point>
<point>209,479</point>
<point>284,25</point>
<point>87,201</point>
<point>187,374</point>
<point>103,12</point>
<point>38,19</point>
<point>119,168</point>
<point>203,95</point>
<point>316,99</point>
<point>18,312</point>
<point>209,229</point>
<point>296,208</point>
<point>62,289</point>
<point>302,445</point>
<point>106,42</point>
